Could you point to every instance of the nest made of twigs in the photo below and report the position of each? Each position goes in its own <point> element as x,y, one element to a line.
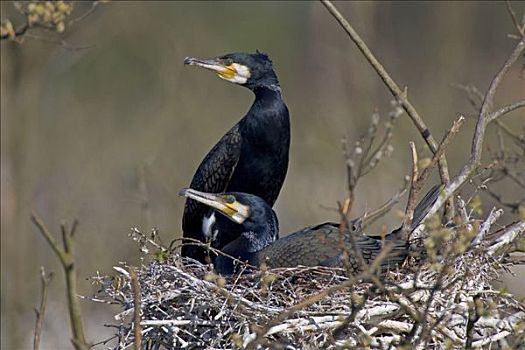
<point>433,305</point>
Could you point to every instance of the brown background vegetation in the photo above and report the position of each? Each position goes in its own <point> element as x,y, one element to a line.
<point>78,125</point>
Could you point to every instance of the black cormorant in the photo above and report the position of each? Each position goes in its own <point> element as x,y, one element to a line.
<point>251,157</point>
<point>312,246</point>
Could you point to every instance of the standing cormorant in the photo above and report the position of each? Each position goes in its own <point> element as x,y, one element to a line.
<point>318,245</point>
<point>251,157</point>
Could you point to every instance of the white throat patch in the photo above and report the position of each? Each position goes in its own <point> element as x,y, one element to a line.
<point>242,74</point>
<point>208,227</point>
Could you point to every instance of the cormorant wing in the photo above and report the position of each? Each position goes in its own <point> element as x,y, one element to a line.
<point>212,175</point>
<point>322,246</point>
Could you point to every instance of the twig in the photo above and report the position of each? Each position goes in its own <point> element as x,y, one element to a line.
<point>506,109</point>
<point>18,32</point>
<point>371,217</point>
<point>519,27</point>
<point>66,255</point>
<point>135,285</point>
<point>511,232</point>
<point>400,95</point>
<point>86,14</point>
<point>45,279</point>
<point>479,133</point>
<point>418,180</point>
<point>411,205</point>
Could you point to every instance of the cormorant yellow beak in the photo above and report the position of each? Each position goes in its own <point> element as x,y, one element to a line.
<point>234,72</point>
<point>225,204</point>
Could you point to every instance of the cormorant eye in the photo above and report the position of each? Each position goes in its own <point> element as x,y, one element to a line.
<point>228,61</point>
<point>229,199</point>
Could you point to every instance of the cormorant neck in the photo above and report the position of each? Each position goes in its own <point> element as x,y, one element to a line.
<point>245,247</point>
<point>269,83</point>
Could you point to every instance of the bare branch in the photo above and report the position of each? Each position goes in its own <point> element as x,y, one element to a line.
<point>479,133</point>
<point>371,217</point>
<point>136,307</point>
<point>486,225</point>
<point>519,27</point>
<point>510,234</point>
<point>506,109</point>
<point>45,280</point>
<point>400,95</point>
<point>411,205</point>
<point>66,255</point>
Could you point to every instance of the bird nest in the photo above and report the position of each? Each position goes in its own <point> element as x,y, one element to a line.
<point>445,302</point>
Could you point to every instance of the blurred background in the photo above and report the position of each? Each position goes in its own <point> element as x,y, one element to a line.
<point>98,125</point>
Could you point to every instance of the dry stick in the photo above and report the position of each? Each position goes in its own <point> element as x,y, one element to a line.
<point>401,96</point>
<point>519,27</point>
<point>135,285</point>
<point>66,255</point>
<point>506,109</point>
<point>418,180</point>
<point>45,279</point>
<point>312,299</point>
<point>374,215</point>
<point>479,133</point>
<point>412,194</point>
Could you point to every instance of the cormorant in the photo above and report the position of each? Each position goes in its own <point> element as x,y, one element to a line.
<point>312,246</point>
<point>251,157</point>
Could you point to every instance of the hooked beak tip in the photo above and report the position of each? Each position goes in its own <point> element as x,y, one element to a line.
<point>183,192</point>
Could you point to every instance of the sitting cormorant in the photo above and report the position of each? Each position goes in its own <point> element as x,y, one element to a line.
<point>251,157</point>
<point>312,246</point>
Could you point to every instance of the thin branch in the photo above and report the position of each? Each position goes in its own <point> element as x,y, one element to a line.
<point>86,14</point>
<point>479,133</point>
<point>400,95</point>
<point>509,235</point>
<point>137,314</point>
<point>486,225</point>
<point>506,109</point>
<point>45,280</point>
<point>371,217</point>
<point>66,255</point>
<point>16,33</point>
<point>519,27</point>
<point>412,194</point>
<point>418,180</point>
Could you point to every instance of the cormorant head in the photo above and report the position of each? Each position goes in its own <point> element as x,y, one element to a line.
<point>247,210</point>
<point>257,220</point>
<point>248,69</point>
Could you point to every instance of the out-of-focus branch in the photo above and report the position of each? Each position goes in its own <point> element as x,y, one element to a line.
<point>66,255</point>
<point>519,27</point>
<point>48,15</point>
<point>479,133</point>
<point>45,280</point>
<point>400,95</point>
<point>362,158</point>
<point>371,217</point>
<point>505,110</point>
